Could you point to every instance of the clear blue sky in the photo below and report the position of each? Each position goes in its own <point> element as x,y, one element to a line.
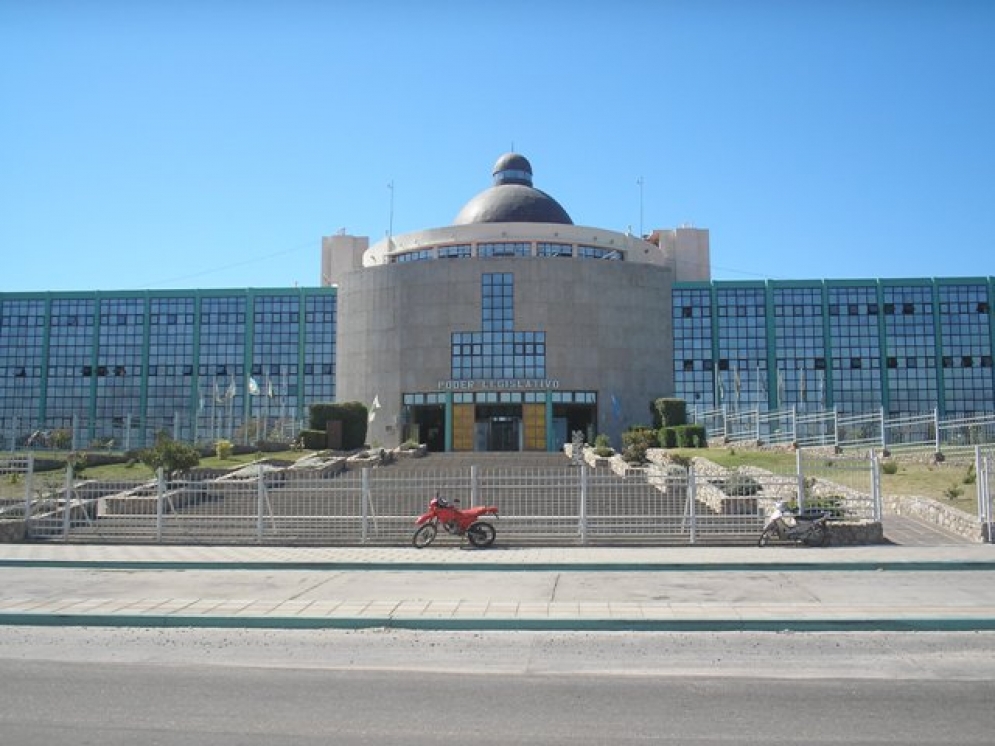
<point>182,144</point>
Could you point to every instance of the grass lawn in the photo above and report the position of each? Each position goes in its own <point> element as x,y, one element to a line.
<point>938,482</point>
<point>12,486</point>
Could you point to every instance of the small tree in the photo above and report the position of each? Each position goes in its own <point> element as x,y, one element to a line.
<point>603,446</point>
<point>637,440</point>
<point>223,449</point>
<point>169,455</point>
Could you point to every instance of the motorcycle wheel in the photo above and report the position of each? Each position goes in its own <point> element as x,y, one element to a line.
<point>765,537</point>
<point>817,537</point>
<point>424,536</point>
<point>481,534</point>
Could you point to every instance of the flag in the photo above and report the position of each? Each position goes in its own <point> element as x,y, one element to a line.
<point>253,387</point>
<point>374,407</point>
<point>822,388</point>
<point>200,398</point>
<point>802,386</point>
<point>780,387</point>
<point>737,383</point>
<point>722,386</point>
<point>217,394</point>
<point>230,391</point>
<point>616,407</point>
<point>269,388</point>
<point>762,382</point>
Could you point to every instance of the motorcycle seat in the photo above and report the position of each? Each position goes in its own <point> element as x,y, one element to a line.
<point>810,515</point>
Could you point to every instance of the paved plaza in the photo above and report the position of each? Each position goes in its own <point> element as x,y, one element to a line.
<point>932,582</point>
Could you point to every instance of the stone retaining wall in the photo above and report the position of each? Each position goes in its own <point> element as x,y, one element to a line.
<point>937,514</point>
<point>12,531</point>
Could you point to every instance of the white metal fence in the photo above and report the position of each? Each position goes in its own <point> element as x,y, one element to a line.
<point>130,432</point>
<point>567,505</point>
<point>863,430</point>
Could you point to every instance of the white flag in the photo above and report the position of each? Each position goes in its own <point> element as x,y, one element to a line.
<point>253,387</point>
<point>374,407</point>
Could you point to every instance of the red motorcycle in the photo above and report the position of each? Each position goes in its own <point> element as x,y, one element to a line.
<point>454,521</point>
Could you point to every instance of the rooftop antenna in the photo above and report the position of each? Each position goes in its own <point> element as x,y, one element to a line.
<point>639,181</point>
<point>390,221</point>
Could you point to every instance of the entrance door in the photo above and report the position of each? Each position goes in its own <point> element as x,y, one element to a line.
<point>499,427</point>
<point>504,434</point>
<point>428,426</point>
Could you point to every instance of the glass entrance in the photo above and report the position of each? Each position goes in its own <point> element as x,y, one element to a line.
<point>499,427</point>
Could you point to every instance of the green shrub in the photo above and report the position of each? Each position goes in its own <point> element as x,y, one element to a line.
<point>636,441</point>
<point>667,437</point>
<point>61,439</point>
<point>602,446</point>
<point>223,449</point>
<point>682,436</point>
<point>739,485</point>
<point>668,413</point>
<point>690,436</point>
<point>170,455</point>
<point>889,467</point>
<point>314,440</point>
<point>970,477</point>
<point>682,461</point>
<point>831,504</point>
<point>77,460</point>
<point>354,418</point>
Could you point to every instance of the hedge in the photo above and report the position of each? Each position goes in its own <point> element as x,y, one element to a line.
<point>668,412</point>
<point>353,416</point>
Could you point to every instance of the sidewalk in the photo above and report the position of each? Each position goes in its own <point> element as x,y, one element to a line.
<point>883,587</point>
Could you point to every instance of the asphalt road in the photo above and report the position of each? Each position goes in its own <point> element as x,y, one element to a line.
<point>219,687</point>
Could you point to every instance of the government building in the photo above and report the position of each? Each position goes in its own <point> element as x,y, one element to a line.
<point>507,330</point>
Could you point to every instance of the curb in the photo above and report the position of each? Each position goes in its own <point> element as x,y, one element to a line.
<point>858,566</point>
<point>953,624</point>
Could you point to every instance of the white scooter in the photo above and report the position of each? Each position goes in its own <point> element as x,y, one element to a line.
<point>808,528</point>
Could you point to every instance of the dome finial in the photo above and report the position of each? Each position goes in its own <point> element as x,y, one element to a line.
<point>512,168</point>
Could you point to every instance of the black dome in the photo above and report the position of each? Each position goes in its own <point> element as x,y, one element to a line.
<point>512,199</point>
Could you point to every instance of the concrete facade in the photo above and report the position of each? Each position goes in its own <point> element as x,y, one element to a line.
<point>598,300</point>
<point>607,325</point>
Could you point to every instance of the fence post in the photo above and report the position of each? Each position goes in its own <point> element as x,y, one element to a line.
<point>936,429</point>
<point>29,488</point>
<point>988,496</point>
<point>67,504</point>
<point>983,493</point>
<point>836,429</point>
<point>474,485</point>
<point>365,505</point>
<point>160,499</point>
<point>692,509</point>
<point>876,507</point>
<point>800,473</point>
<point>260,502</point>
<point>582,508</point>
<point>884,432</point>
